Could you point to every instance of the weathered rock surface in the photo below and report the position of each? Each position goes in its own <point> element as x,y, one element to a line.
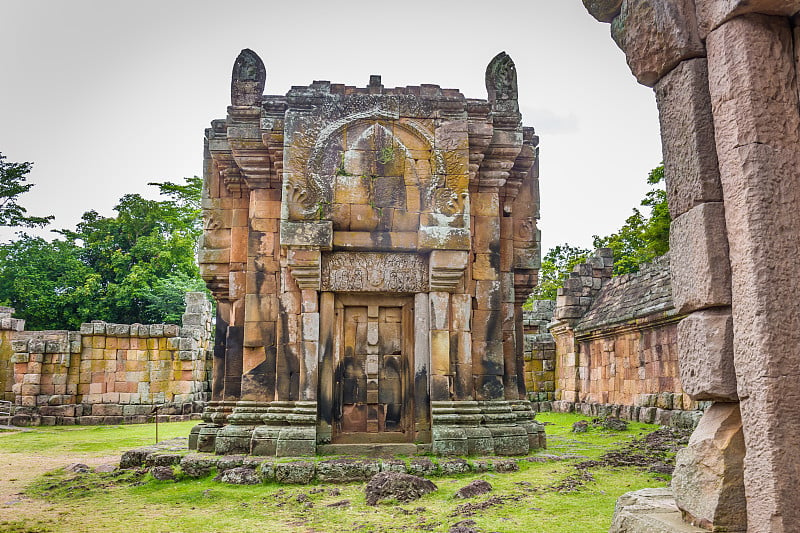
<point>712,13</point>
<point>603,10</point>
<point>649,511</point>
<point>240,475</point>
<point>699,264</point>
<point>687,137</point>
<point>453,466</point>
<point>77,468</point>
<point>708,477</point>
<point>475,488</point>
<point>295,472</point>
<point>656,35</point>
<point>753,88</point>
<point>162,473</point>
<point>581,426</point>
<point>195,465</point>
<point>705,344</point>
<point>394,485</point>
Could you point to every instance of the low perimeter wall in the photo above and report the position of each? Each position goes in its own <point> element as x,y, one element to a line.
<point>611,349</point>
<point>107,373</point>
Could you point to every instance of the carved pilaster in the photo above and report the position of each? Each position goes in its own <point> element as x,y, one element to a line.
<point>447,269</point>
<point>304,264</point>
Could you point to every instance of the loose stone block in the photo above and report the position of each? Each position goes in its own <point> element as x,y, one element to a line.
<point>708,477</point>
<point>699,264</point>
<point>705,344</point>
<point>656,35</point>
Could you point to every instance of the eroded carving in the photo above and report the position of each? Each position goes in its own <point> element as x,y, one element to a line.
<point>374,272</point>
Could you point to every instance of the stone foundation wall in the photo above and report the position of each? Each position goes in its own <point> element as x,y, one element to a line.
<point>108,373</point>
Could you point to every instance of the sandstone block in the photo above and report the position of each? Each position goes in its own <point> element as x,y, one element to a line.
<point>603,10</point>
<point>699,264</point>
<point>656,35</point>
<point>705,345</point>
<point>754,96</point>
<point>687,137</point>
<point>708,477</point>
<point>712,13</point>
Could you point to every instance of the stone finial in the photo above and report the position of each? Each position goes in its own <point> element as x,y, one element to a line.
<point>248,79</point>
<point>501,81</point>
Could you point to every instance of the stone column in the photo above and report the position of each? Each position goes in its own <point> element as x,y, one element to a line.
<point>487,332</point>
<point>753,87</point>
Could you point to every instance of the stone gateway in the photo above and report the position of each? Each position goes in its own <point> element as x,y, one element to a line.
<point>369,250</point>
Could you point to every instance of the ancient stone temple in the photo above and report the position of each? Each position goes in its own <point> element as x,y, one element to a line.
<point>369,250</point>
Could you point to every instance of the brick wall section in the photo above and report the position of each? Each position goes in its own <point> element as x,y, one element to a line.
<point>614,346</point>
<point>539,351</point>
<point>8,327</point>
<point>110,373</point>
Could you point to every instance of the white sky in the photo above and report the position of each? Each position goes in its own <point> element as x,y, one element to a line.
<point>105,96</point>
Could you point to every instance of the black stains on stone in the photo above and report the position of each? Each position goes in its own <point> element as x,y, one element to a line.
<point>233,362</point>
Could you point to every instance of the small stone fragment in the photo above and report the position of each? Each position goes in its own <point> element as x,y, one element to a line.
<point>77,468</point>
<point>395,485</point>
<point>476,488</point>
<point>162,473</point>
<point>581,426</point>
<point>240,475</point>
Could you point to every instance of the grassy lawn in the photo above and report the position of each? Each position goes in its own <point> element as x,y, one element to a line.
<point>534,499</point>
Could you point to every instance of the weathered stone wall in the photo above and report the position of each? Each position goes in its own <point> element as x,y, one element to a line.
<point>9,326</point>
<point>108,373</point>
<point>539,352</point>
<point>616,345</point>
<point>725,77</point>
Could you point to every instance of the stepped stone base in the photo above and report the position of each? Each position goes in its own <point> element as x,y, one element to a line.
<point>650,511</point>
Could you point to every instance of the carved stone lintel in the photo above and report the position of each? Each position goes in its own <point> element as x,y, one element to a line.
<point>374,272</point>
<point>447,269</point>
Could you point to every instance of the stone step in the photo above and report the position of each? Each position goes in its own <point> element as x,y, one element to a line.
<point>371,449</point>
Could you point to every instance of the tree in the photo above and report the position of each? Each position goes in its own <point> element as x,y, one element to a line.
<point>133,267</point>
<point>47,283</point>
<point>641,239</point>
<point>12,185</point>
<point>556,265</point>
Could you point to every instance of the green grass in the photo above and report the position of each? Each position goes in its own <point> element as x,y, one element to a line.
<point>59,440</point>
<point>130,502</point>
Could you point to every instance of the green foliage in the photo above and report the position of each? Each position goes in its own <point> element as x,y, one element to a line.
<point>641,239</point>
<point>48,283</point>
<point>134,267</point>
<point>12,185</point>
<point>556,265</point>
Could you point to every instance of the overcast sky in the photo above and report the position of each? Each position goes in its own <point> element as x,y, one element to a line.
<point>106,96</point>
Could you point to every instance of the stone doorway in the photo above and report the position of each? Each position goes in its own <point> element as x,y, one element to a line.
<point>373,362</point>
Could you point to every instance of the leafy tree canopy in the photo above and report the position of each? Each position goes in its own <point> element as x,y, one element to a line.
<point>12,185</point>
<point>133,267</point>
<point>640,240</point>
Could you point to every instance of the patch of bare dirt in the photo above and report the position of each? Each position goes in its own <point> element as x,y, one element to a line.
<point>18,470</point>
